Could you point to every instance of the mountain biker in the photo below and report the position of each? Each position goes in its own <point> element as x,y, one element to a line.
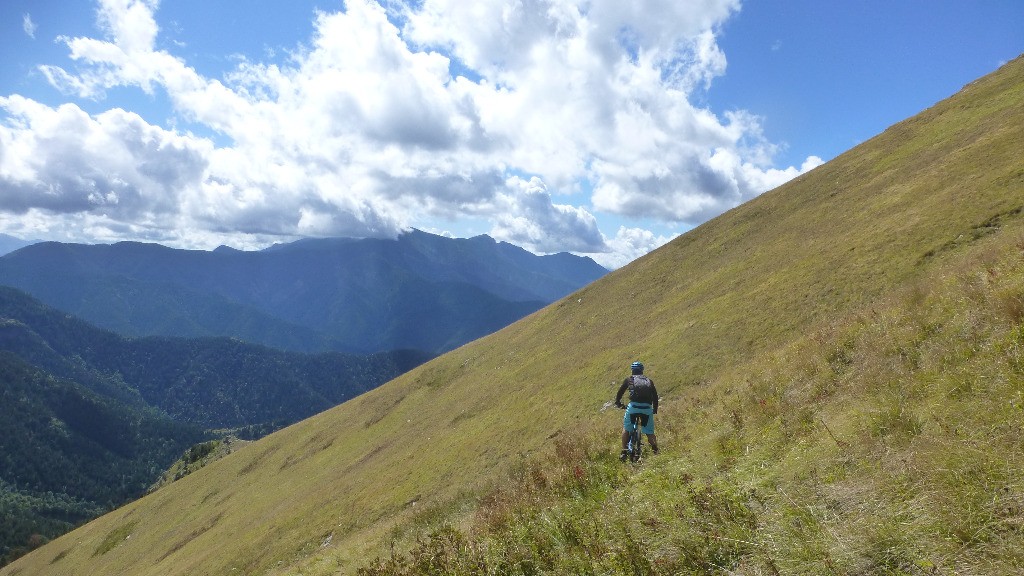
<point>643,400</point>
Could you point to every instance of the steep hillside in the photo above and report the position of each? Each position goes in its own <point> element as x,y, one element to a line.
<point>888,441</point>
<point>420,291</point>
<point>877,226</point>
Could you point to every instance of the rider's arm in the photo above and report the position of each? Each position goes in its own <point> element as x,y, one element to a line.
<point>622,390</point>
<point>655,390</point>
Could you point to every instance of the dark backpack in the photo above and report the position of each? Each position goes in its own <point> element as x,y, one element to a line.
<point>641,389</point>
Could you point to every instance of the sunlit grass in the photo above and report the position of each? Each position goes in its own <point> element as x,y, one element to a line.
<point>883,462</point>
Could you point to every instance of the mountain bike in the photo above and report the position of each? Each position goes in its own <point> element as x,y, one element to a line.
<point>635,448</point>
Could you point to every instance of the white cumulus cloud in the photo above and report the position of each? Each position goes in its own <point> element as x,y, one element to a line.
<point>629,244</point>
<point>537,116</point>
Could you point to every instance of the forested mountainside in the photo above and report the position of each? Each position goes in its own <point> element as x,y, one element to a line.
<point>90,419</point>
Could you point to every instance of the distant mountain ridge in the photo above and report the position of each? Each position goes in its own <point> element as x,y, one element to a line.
<point>420,291</point>
<point>10,243</point>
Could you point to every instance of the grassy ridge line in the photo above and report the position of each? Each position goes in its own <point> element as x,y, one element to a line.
<point>321,493</point>
<point>887,441</point>
<point>839,236</point>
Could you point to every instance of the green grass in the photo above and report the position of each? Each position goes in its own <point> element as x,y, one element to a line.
<point>840,366</point>
<point>883,462</point>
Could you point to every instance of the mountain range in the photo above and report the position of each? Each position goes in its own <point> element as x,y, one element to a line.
<point>840,362</point>
<point>420,291</point>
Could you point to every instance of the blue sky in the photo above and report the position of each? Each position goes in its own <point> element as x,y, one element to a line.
<point>600,127</point>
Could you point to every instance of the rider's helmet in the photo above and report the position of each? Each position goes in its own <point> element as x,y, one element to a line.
<point>637,367</point>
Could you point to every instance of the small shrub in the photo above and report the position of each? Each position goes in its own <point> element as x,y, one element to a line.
<point>444,552</point>
<point>115,538</point>
<point>896,420</point>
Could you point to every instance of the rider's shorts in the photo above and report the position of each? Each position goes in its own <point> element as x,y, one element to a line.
<point>646,419</point>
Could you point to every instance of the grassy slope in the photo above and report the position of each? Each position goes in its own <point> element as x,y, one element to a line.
<point>887,441</point>
<point>317,496</point>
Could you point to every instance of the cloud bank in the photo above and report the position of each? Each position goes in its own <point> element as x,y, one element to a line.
<point>537,117</point>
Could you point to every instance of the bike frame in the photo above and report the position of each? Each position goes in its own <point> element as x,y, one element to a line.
<point>636,443</point>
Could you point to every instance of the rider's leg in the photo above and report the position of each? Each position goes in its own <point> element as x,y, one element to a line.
<point>627,425</point>
<point>653,440</point>
<point>625,445</point>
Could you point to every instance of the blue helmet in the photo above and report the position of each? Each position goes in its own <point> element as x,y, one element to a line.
<point>637,367</point>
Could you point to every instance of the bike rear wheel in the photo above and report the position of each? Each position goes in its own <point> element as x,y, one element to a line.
<point>636,442</point>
